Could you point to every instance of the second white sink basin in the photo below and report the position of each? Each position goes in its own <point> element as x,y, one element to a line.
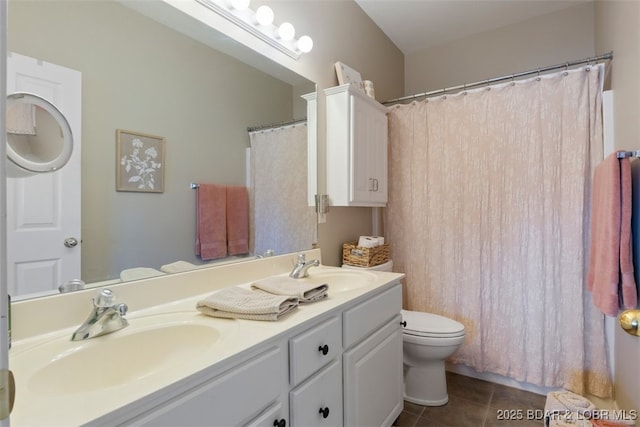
<point>149,345</point>
<point>339,280</point>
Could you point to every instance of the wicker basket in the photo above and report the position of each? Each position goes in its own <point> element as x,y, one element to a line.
<point>364,257</point>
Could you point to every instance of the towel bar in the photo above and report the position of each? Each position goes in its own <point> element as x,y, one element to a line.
<point>624,154</point>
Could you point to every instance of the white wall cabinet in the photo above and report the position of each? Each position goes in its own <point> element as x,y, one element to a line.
<point>356,148</point>
<point>303,378</point>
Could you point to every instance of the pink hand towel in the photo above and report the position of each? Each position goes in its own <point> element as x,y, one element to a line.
<point>628,287</point>
<point>611,254</point>
<point>211,222</point>
<point>237,220</point>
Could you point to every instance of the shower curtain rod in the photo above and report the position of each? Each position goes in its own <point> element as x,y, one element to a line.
<point>276,125</point>
<point>606,56</point>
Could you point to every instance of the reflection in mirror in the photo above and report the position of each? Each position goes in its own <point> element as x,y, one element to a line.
<point>140,75</point>
<point>39,138</point>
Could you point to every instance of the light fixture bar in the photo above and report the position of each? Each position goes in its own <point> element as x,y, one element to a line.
<point>244,19</point>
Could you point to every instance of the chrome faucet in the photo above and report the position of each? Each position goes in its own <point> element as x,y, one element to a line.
<point>302,266</point>
<point>106,317</point>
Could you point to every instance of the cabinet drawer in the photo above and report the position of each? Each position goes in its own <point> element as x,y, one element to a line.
<point>318,401</point>
<point>367,316</point>
<point>313,349</point>
<point>229,399</point>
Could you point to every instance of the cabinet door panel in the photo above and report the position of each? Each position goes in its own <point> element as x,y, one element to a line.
<point>271,417</point>
<point>229,399</point>
<point>318,401</point>
<point>373,383</point>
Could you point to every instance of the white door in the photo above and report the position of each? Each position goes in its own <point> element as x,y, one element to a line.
<point>44,209</point>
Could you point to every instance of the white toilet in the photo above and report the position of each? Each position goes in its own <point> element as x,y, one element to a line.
<point>428,340</point>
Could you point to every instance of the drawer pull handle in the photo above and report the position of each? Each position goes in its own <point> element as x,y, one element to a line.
<point>324,349</point>
<point>404,324</point>
<point>280,423</point>
<point>324,412</point>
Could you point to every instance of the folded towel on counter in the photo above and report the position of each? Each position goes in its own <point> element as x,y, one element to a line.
<point>178,266</point>
<point>240,303</point>
<point>139,273</point>
<point>300,288</point>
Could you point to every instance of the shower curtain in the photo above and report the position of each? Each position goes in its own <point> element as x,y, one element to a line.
<point>281,218</point>
<point>488,216</point>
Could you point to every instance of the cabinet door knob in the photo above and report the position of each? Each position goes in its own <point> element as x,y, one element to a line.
<point>280,423</point>
<point>324,349</point>
<point>404,324</point>
<point>324,412</point>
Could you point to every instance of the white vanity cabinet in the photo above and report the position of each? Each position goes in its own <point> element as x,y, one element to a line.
<point>340,367</point>
<point>356,148</point>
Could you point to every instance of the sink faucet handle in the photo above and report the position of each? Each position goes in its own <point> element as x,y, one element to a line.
<point>302,258</point>
<point>104,298</point>
<point>122,308</point>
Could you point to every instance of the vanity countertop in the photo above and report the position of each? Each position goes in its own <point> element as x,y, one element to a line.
<point>46,398</point>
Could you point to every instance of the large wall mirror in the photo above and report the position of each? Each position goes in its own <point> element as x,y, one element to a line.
<point>143,76</point>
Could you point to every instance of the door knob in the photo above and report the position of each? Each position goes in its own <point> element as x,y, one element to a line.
<point>629,321</point>
<point>71,242</point>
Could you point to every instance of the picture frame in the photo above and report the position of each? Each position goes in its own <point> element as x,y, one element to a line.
<point>348,75</point>
<point>140,161</point>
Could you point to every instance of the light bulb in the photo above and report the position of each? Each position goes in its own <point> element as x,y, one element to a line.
<point>240,4</point>
<point>286,31</point>
<point>305,44</point>
<point>264,15</point>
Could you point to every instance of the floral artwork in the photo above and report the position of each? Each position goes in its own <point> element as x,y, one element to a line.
<point>140,164</point>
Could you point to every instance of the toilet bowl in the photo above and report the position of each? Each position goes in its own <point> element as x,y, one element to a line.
<point>428,340</point>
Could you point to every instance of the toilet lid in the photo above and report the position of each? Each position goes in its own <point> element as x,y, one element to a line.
<point>429,324</point>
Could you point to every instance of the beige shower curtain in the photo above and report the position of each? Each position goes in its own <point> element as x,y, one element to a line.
<point>281,219</point>
<point>488,216</point>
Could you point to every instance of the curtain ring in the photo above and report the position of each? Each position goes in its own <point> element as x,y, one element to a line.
<point>538,77</point>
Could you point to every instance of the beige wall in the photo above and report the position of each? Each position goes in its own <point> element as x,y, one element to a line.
<point>140,76</point>
<point>341,32</point>
<point>545,40</point>
<point>618,29</point>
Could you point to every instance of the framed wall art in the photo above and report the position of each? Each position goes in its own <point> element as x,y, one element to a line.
<point>139,162</point>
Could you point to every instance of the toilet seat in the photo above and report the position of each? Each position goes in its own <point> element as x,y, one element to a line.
<point>431,325</point>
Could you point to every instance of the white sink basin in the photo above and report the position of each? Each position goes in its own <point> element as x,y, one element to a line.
<point>339,280</point>
<point>149,345</point>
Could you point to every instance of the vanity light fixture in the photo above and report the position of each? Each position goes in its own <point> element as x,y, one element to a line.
<point>286,31</point>
<point>240,4</point>
<point>260,24</point>
<point>264,15</point>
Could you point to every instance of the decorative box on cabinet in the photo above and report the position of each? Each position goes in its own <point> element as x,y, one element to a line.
<point>356,148</point>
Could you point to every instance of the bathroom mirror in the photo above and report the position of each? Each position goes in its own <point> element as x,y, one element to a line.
<point>39,138</point>
<point>142,76</point>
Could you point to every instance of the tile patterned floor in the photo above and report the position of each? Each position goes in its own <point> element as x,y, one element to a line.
<point>477,403</point>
